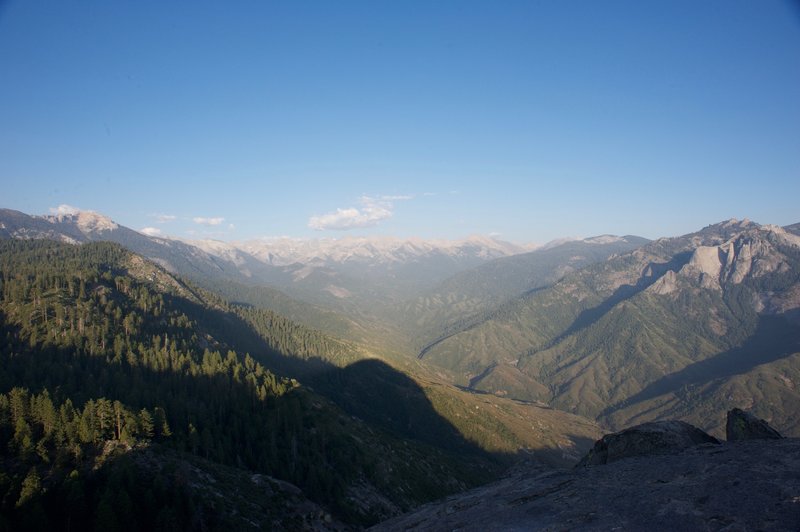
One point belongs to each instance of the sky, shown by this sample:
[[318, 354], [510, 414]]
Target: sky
[[527, 120]]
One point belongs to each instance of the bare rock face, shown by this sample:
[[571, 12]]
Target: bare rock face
[[743, 485], [659, 437], [669, 480], [743, 425]]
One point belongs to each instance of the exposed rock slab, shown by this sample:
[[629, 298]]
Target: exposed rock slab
[[744, 485]]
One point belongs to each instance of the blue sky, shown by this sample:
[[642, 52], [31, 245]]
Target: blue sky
[[531, 120]]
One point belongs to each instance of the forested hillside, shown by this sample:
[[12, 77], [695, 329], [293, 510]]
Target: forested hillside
[[100, 346], [466, 298]]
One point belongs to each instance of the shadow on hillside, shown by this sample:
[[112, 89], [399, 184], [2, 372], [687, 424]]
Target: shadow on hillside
[[592, 315], [292, 436], [373, 391], [774, 338], [370, 390]]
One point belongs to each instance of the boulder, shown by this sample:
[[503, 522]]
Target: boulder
[[658, 437], [743, 425]]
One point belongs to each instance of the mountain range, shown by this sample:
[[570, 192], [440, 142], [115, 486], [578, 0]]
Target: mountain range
[[323, 269], [361, 279], [474, 351], [554, 324], [680, 327]]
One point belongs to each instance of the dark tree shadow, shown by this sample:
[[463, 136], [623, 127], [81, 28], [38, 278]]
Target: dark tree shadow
[[382, 396]]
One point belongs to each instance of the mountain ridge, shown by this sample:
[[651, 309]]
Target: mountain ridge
[[363, 285], [609, 329], [458, 301], [285, 251]]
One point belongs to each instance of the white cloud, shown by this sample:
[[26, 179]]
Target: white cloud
[[164, 218], [150, 231], [208, 221], [344, 219], [64, 209], [372, 211]]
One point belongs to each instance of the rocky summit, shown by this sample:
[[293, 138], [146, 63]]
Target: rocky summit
[[751, 484], [658, 437]]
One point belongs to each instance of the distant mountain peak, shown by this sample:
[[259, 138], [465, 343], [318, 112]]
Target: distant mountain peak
[[730, 225], [86, 221], [743, 223], [750, 251]]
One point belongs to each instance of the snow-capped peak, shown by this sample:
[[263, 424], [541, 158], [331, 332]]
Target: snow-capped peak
[[283, 250]]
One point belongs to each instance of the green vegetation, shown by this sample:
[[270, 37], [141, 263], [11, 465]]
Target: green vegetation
[[264, 297], [123, 352], [472, 296]]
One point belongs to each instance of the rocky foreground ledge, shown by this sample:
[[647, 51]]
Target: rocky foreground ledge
[[657, 476]]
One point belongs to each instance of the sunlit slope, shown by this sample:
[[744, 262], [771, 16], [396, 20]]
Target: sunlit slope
[[467, 297], [676, 313]]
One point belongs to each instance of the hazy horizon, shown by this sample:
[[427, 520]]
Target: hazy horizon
[[69, 210]]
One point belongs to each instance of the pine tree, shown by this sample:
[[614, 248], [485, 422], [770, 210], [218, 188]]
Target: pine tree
[[146, 424], [31, 487]]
